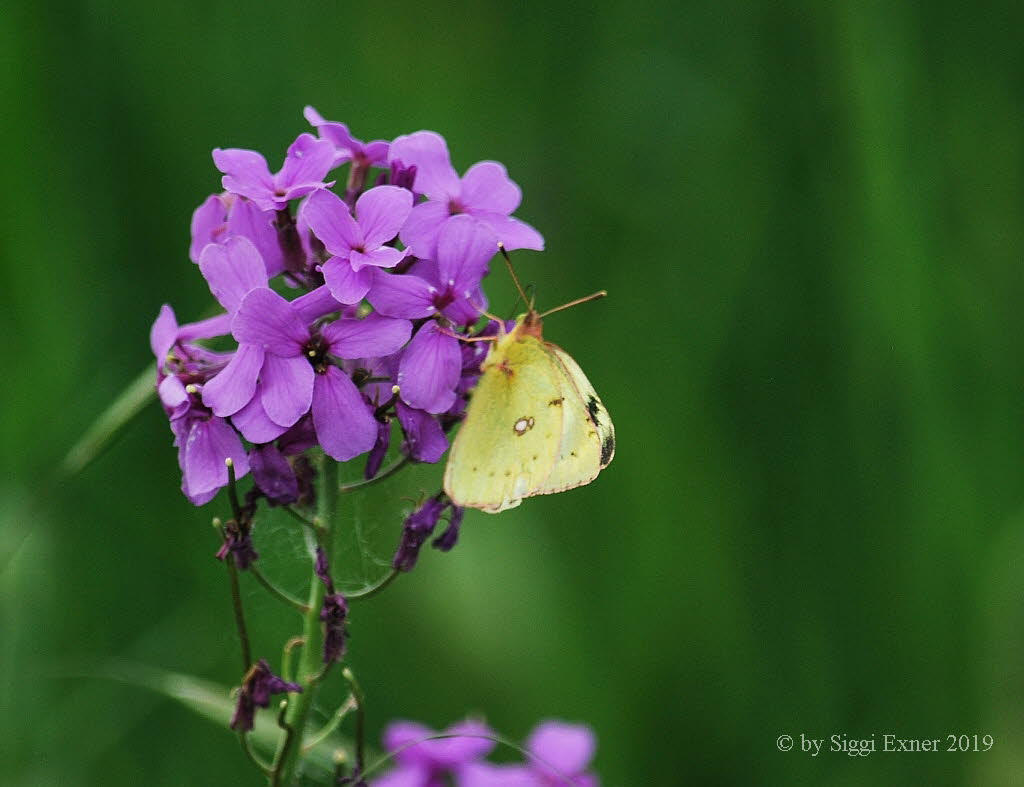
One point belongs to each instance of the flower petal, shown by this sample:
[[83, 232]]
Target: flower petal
[[286, 388], [344, 424], [218, 325], [425, 440], [209, 443], [372, 336], [487, 186], [171, 392], [248, 220], [234, 385], [208, 222], [337, 133], [246, 173], [428, 152], [232, 269], [376, 152], [309, 159], [254, 423], [567, 748], [384, 257], [163, 334], [273, 474], [422, 227], [315, 304], [464, 247], [402, 295], [267, 319], [328, 217], [381, 212], [438, 753], [513, 233], [345, 284], [430, 369]]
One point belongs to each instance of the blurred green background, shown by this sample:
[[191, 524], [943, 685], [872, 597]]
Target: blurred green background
[[808, 216]]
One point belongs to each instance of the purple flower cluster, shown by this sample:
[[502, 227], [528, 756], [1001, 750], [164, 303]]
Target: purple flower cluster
[[378, 284], [559, 755]]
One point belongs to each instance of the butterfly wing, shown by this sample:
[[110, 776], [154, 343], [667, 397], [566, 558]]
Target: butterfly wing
[[587, 443], [509, 441]]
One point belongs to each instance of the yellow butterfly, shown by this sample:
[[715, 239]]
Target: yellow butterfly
[[534, 424]]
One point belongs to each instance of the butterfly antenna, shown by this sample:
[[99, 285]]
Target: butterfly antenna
[[577, 302], [508, 262]]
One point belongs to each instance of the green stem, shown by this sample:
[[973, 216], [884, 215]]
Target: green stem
[[310, 672]]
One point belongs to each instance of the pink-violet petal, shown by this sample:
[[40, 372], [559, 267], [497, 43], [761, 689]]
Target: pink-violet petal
[[232, 269], [403, 295], [373, 336], [329, 219], [430, 369], [486, 185], [422, 227], [346, 284], [428, 152], [232, 388], [267, 319], [381, 212], [286, 388], [344, 424]]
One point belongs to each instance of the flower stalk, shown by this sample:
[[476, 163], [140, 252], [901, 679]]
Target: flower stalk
[[310, 671]]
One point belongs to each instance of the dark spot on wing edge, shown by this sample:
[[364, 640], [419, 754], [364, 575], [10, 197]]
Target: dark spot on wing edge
[[593, 408], [607, 449]]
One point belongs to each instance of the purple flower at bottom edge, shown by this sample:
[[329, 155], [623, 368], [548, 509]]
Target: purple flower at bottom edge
[[246, 173], [484, 192], [257, 687], [559, 756], [426, 763]]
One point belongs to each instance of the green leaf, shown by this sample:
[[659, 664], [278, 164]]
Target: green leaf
[[214, 702], [122, 410]]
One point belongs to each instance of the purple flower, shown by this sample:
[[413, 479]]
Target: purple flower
[[273, 474], [347, 147], [357, 245], [559, 756], [245, 172], [450, 536], [298, 371], [333, 612], [425, 440], [223, 216], [416, 529], [420, 525], [432, 364], [484, 192], [257, 687], [380, 448], [233, 269], [203, 440], [428, 763]]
